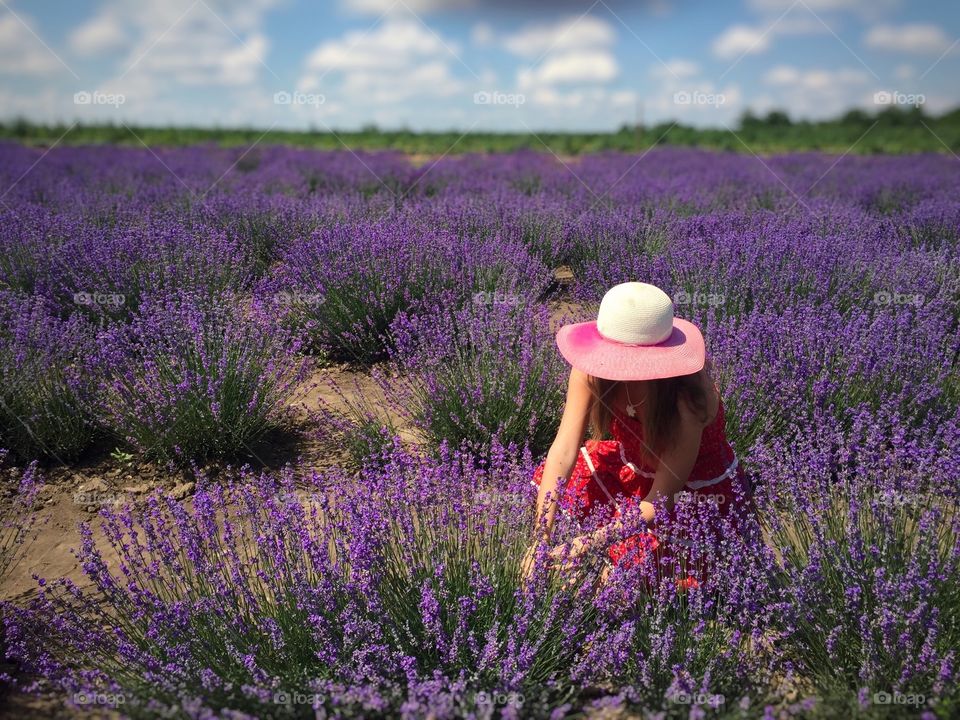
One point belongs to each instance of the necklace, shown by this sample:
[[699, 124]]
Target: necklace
[[631, 407]]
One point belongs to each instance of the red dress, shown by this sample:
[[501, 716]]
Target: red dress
[[614, 472]]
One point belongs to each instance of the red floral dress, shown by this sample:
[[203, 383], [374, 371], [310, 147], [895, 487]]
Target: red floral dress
[[614, 471]]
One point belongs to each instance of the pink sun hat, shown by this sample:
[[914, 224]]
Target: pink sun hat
[[635, 337]]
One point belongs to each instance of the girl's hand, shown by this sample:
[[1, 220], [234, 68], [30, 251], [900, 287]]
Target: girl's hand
[[564, 557], [527, 563]]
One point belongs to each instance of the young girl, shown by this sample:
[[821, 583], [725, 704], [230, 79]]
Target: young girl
[[642, 376]]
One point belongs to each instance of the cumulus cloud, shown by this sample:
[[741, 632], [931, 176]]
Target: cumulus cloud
[[572, 33], [576, 66], [909, 38], [814, 79], [747, 39], [210, 43], [676, 68], [569, 51], [174, 62], [379, 7], [21, 53], [482, 34], [506, 7], [817, 93], [398, 60], [101, 33], [904, 72], [394, 43], [863, 7], [738, 40]]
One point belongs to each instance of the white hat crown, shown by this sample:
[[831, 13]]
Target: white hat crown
[[635, 313]]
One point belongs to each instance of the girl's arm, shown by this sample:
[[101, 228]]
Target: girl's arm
[[563, 452], [676, 463]]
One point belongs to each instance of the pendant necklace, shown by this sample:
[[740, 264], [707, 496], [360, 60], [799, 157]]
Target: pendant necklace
[[631, 408]]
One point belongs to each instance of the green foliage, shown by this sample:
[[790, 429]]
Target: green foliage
[[895, 129]]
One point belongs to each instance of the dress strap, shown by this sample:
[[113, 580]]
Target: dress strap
[[728, 473], [596, 477], [632, 466]]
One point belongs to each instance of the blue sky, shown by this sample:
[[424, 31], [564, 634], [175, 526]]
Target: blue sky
[[468, 64]]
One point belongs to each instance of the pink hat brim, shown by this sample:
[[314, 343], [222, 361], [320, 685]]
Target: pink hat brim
[[683, 353]]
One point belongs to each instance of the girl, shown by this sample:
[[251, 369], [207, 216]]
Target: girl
[[641, 375]]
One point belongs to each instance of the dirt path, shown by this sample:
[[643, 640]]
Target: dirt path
[[71, 496]]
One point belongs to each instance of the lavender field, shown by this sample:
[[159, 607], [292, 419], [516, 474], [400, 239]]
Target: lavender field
[[305, 393]]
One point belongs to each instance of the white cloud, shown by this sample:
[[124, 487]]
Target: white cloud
[[585, 101], [775, 6], [572, 33], [904, 72], [744, 39], [23, 54], [393, 43], [782, 75], [423, 80], [103, 32], [577, 66], [737, 40], [830, 11], [676, 68], [399, 60], [573, 53], [379, 7], [482, 34], [786, 75], [815, 93], [213, 43], [909, 38]]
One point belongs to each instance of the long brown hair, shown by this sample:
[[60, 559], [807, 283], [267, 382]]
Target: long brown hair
[[660, 416]]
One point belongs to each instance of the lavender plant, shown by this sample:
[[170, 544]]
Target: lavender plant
[[346, 284], [488, 370], [867, 528], [15, 533], [190, 378], [46, 395], [21, 516], [400, 597], [830, 296]]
